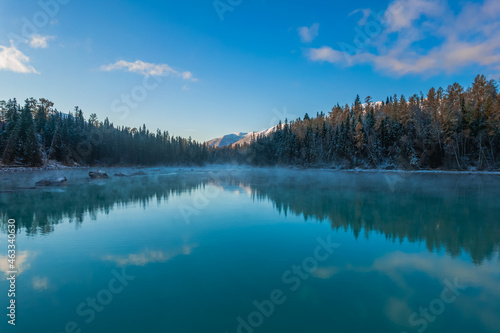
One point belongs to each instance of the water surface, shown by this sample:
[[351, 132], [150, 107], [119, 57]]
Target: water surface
[[242, 250]]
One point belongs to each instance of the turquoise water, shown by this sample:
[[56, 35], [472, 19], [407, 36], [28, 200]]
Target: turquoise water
[[241, 250]]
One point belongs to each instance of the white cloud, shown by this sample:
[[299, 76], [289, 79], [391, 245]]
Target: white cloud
[[402, 14], [325, 53], [188, 76], [11, 59], [308, 34], [147, 69], [39, 41], [393, 42]]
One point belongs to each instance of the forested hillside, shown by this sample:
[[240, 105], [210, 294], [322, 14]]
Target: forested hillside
[[35, 133], [452, 128]]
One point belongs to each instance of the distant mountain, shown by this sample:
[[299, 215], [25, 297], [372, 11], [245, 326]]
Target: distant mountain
[[226, 140], [254, 135], [239, 138]]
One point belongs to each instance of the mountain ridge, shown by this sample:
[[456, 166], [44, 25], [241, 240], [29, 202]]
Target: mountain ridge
[[239, 138]]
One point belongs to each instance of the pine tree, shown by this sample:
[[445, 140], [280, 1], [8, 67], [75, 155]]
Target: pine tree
[[29, 147], [3, 110], [11, 132], [359, 135]]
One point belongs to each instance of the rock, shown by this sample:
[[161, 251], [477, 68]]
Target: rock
[[98, 174], [52, 182]]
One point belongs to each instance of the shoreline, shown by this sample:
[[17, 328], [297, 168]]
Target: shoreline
[[59, 167]]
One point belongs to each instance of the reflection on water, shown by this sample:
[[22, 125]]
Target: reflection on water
[[39, 209], [454, 212], [201, 247]]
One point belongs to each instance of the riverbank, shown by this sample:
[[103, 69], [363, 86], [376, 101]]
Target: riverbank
[[210, 167]]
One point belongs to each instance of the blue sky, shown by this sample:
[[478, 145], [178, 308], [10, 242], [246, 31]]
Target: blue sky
[[204, 69]]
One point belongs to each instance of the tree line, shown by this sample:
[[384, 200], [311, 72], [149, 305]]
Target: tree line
[[452, 128], [36, 133]]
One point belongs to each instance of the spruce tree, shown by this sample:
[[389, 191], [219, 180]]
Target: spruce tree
[[29, 147]]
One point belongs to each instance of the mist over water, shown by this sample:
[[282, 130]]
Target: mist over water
[[204, 244]]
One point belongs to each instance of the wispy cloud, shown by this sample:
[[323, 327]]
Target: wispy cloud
[[148, 257], [325, 53], [308, 34], [140, 259], [402, 14], [39, 41], [366, 14], [11, 59], [148, 69], [422, 37]]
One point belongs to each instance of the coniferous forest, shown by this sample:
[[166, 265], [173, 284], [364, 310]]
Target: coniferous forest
[[36, 132], [454, 128]]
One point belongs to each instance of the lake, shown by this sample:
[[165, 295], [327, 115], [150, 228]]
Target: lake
[[253, 250]]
